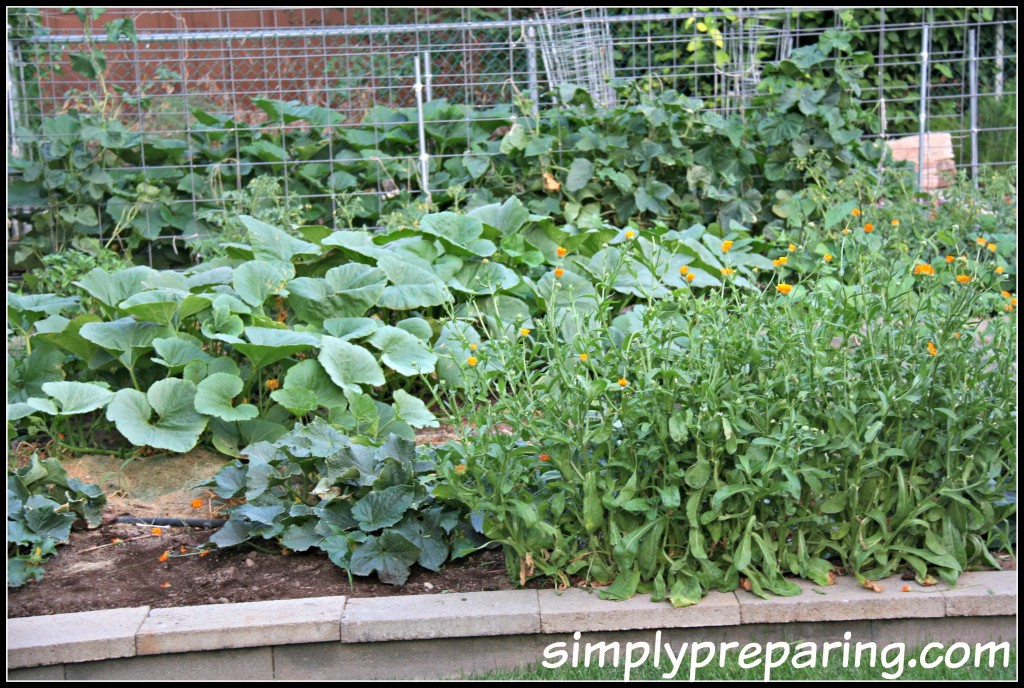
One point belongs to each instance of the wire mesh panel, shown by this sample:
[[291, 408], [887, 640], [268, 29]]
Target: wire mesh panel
[[314, 115]]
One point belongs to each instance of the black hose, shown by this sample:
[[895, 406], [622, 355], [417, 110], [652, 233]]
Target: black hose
[[174, 522]]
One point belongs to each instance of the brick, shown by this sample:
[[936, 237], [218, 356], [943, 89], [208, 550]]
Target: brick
[[579, 610], [455, 615], [67, 638], [983, 593], [248, 624]]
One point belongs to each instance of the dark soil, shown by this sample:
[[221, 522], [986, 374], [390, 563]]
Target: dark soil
[[93, 573]]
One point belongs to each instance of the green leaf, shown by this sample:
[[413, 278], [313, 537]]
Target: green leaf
[[215, 395], [77, 397], [389, 554], [834, 504], [428, 533], [413, 411], [310, 376], [383, 508], [622, 588], [298, 401], [580, 173], [460, 234], [112, 289], [272, 244], [42, 517], [347, 291], [178, 425], [505, 218], [403, 352], [256, 280], [837, 214], [178, 351], [267, 345], [410, 287], [347, 329], [483, 278], [127, 338], [300, 537], [349, 365]]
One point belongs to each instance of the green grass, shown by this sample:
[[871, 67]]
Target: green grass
[[732, 671]]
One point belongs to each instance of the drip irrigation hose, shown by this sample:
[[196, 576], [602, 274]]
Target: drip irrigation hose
[[174, 522]]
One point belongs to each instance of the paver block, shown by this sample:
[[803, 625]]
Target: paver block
[[66, 638], [579, 610], [845, 601], [983, 593], [248, 664], [455, 615], [407, 659], [247, 624]]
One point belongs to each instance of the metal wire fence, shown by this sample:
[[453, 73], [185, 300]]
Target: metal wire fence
[[189, 74]]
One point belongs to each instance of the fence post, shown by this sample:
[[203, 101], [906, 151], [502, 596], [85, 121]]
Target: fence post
[[999, 53], [424, 156], [428, 77], [531, 69], [923, 112], [972, 47], [12, 102]]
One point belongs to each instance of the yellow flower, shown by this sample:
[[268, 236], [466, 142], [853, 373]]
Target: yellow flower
[[924, 269], [726, 246], [273, 384], [791, 248], [460, 469], [561, 251], [559, 272], [690, 277], [856, 212], [963, 279], [950, 259], [472, 347], [471, 361], [524, 331], [584, 357], [784, 288], [981, 241], [683, 270], [780, 261], [726, 271], [630, 234], [999, 270], [895, 223], [931, 349], [868, 228], [991, 247], [827, 258], [623, 382]]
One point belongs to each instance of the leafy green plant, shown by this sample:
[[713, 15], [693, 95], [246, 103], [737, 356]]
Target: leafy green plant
[[43, 503], [368, 506], [860, 417]]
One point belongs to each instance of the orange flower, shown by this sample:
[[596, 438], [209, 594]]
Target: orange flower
[[931, 349], [197, 504], [165, 584], [999, 270], [846, 230], [683, 270], [791, 248], [780, 261], [950, 259], [182, 549], [868, 228], [524, 331], [623, 382], [895, 223], [981, 241], [957, 335], [559, 272], [924, 269], [963, 279], [726, 246], [906, 588], [726, 271], [545, 457], [856, 212], [1007, 307], [827, 258], [460, 469], [156, 531], [204, 553], [471, 361], [630, 234], [784, 288], [1006, 294], [116, 541], [561, 251], [584, 357], [273, 384], [690, 277], [166, 555], [991, 247], [550, 183]]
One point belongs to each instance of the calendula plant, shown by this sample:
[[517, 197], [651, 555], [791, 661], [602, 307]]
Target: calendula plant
[[860, 417]]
